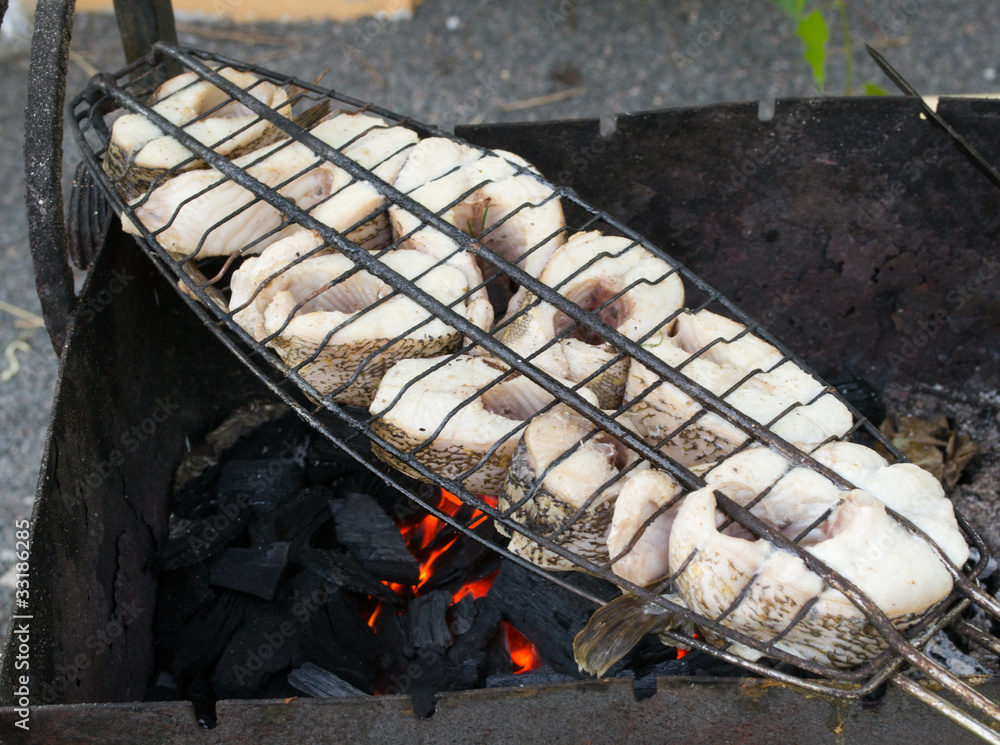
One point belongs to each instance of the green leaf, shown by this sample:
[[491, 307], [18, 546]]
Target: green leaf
[[814, 34], [792, 7], [874, 90]]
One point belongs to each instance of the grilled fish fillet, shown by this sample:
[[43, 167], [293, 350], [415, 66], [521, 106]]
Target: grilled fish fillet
[[441, 415], [562, 484], [625, 285], [850, 531], [202, 213], [898, 571], [347, 326], [492, 197], [729, 358], [139, 151]]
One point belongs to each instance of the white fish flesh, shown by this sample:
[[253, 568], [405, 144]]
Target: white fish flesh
[[624, 284], [347, 327], [139, 151], [513, 214], [731, 355], [638, 541], [849, 531], [562, 484], [443, 416], [202, 213], [898, 571]]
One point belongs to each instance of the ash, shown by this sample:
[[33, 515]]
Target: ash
[[974, 411]]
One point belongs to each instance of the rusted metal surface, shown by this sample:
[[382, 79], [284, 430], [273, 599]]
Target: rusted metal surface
[[689, 711], [140, 375]]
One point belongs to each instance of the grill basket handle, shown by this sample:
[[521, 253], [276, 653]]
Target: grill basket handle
[[141, 23]]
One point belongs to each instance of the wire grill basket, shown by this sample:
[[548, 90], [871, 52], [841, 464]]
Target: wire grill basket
[[587, 312]]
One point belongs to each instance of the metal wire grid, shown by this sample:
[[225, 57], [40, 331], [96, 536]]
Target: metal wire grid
[[128, 88]]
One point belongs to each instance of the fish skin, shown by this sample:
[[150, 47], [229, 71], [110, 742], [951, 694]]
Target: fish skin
[[139, 151], [339, 341], [776, 386], [185, 207], [588, 475], [469, 428], [590, 269]]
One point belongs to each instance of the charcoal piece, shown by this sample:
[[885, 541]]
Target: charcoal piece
[[319, 683], [256, 570], [392, 637], [164, 687], [196, 540], [295, 519], [548, 615], [342, 572], [326, 461], [400, 507], [498, 661], [372, 539], [261, 483], [203, 698], [481, 632], [422, 671], [197, 496], [285, 437], [542, 676], [426, 624], [337, 637], [180, 594], [427, 674], [198, 647], [860, 394], [267, 640], [645, 686], [462, 615]]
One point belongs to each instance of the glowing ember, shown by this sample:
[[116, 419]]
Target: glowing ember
[[425, 541], [523, 653], [477, 589]]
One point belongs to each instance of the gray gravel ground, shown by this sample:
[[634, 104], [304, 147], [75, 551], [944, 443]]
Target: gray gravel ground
[[480, 61]]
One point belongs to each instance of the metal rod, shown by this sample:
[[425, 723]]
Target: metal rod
[[142, 23], [960, 142], [43, 161], [946, 708]]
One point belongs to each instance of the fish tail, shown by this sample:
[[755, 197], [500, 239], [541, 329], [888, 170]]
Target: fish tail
[[313, 115], [614, 629]]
